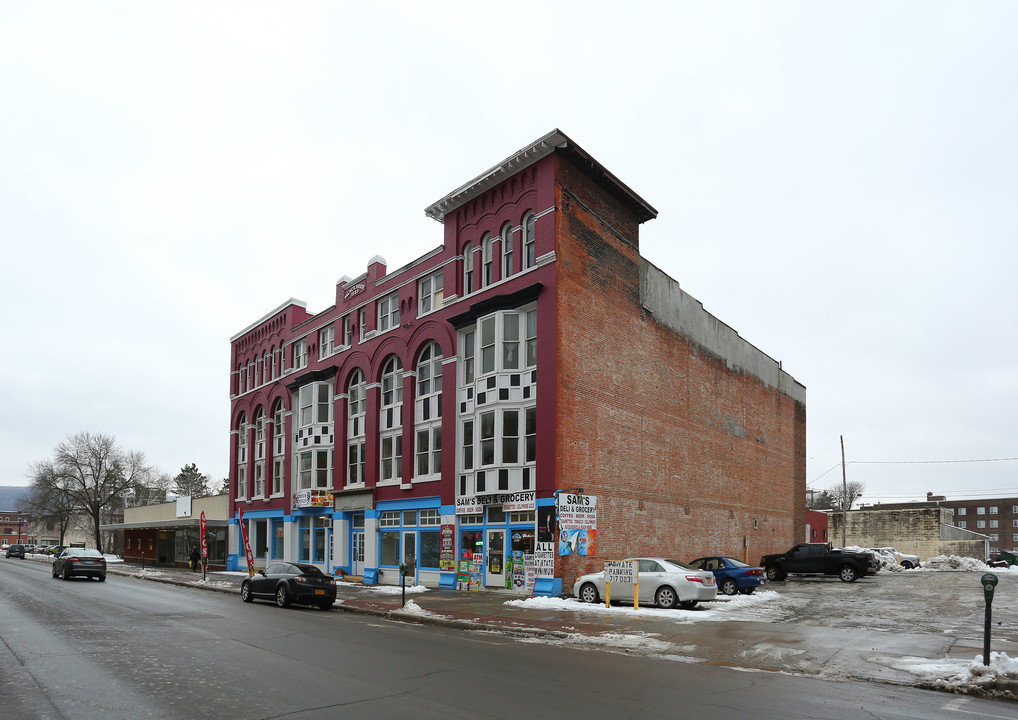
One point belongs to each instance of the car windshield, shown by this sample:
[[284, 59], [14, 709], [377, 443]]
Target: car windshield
[[736, 563], [680, 565]]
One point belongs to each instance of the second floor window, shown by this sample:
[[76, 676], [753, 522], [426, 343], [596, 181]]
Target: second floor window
[[529, 242], [507, 250], [429, 290], [315, 404]]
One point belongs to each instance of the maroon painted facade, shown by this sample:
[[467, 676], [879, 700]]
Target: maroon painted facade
[[542, 327]]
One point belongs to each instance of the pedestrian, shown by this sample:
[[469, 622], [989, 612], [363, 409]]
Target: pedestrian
[[195, 556]]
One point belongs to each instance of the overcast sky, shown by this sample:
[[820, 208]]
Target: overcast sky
[[835, 181]]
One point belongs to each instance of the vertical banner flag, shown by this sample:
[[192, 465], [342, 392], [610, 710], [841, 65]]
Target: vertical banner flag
[[204, 542], [247, 545]]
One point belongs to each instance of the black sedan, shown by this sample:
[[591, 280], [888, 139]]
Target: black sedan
[[291, 583], [86, 562]]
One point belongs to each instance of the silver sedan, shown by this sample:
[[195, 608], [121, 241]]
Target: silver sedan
[[664, 582]]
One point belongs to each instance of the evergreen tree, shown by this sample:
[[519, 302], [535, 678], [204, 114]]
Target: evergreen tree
[[191, 482]]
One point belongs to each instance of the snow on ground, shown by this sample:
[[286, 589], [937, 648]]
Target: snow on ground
[[392, 589], [762, 606], [413, 608], [957, 675], [960, 564]]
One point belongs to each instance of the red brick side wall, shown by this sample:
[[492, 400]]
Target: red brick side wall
[[687, 457]]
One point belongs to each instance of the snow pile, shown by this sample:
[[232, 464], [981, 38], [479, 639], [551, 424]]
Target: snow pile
[[393, 589], [617, 642], [412, 608], [147, 573], [954, 562], [963, 676], [760, 605]]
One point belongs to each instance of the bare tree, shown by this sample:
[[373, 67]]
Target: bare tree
[[843, 497], [46, 499], [96, 474], [152, 493]]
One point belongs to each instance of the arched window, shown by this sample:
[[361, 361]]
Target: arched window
[[259, 470], [529, 251], [468, 269], [391, 421], [488, 275], [242, 457], [278, 447], [355, 434], [241, 380], [507, 250], [428, 413]]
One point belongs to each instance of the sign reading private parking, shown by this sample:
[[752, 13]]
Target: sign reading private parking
[[620, 571]]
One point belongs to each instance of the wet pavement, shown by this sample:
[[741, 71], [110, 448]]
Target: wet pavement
[[809, 626]]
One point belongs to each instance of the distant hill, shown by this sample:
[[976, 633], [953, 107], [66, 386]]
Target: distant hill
[[10, 496]]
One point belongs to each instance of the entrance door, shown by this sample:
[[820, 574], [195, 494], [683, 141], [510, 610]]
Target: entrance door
[[494, 559], [410, 555], [357, 554]]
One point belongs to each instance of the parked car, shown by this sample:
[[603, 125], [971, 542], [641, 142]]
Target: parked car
[[731, 575], [87, 562], [818, 559], [291, 583], [889, 554], [17, 550], [664, 582]]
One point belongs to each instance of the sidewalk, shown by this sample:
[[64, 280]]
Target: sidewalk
[[806, 646]]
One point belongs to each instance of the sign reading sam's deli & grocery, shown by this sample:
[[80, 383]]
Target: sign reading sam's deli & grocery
[[510, 502]]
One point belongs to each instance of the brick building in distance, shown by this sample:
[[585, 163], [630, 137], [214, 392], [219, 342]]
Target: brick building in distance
[[530, 387]]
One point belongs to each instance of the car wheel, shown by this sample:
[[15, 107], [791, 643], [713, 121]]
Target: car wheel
[[665, 597], [101, 578], [67, 574], [325, 604], [848, 573], [774, 574], [747, 591], [54, 572], [907, 565], [688, 604], [282, 599], [729, 586], [245, 592], [589, 594]]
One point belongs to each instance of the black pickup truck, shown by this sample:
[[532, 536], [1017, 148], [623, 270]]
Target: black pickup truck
[[818, 559]]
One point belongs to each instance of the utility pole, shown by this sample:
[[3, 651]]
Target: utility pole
[[844, 497]]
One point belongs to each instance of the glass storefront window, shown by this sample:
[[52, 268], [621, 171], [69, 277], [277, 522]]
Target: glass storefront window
[[304, 531], [388, 553], [431, 547], [277, 539]]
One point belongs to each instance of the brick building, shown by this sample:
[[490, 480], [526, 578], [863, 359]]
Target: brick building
[[533, 380], [13, 527]]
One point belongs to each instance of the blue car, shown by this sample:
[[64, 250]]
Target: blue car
[[732, 576]]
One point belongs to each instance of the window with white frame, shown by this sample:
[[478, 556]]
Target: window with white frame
[[468, 357], [430, 517], [300, 354], [355, 430], [362, 323], [391, 421], [250, 375], [259, 468], [960, 511], [488, 260], [428, 413], [242, 457], [468, 269], [241, 380], [980, 511], [347, 332], [529, 242], [1014, 523], [314, 404], [314, 470], [388, 312], [962, 524], [993, 509], [278, 449], [1014, 537], [429, 292], [507, 250], [326, 341], [993, 537], [980, 524], [993, 523]]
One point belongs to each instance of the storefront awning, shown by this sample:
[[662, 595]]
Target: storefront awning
[[181, 523]]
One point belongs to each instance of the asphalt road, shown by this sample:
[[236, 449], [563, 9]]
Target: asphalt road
[[127, 648]]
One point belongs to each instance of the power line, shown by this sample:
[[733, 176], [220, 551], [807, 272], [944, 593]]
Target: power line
[[925, 462]]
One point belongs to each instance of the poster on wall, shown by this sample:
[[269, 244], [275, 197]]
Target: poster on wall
[[529, 572], [476, 571], [447, 553], [546, 523], [577, 524], [463, 575]]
